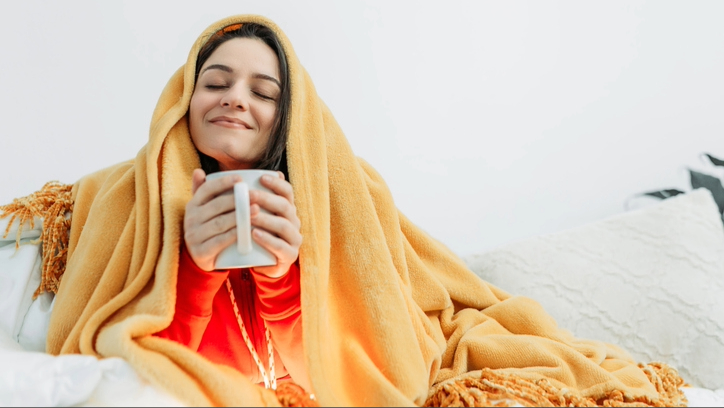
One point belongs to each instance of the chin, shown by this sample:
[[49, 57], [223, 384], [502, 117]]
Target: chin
[[230, 162]]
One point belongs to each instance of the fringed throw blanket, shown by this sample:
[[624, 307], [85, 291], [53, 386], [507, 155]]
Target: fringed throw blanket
[[390, 315], [53, 204]]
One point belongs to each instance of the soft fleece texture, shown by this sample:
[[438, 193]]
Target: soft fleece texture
[[387, 310]]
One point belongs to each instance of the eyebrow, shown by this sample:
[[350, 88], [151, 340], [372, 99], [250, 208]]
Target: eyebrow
[[228, 69]]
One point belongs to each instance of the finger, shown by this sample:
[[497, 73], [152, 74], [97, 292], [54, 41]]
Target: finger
[[196, 215], [278, 186], [198, 234], [214, 188], [204, 254], [213, 246], [218, 206], [254, 209], [281, 175], [218, 225], [197, 179], [278, 226], [277, 246], [275, 204]]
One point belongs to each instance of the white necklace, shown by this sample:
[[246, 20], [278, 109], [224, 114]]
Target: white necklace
[[270, 381]]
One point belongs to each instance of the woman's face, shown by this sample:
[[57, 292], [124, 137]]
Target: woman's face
[[234, 103]]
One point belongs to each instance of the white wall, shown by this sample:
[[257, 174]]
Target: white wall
[[491, 121]]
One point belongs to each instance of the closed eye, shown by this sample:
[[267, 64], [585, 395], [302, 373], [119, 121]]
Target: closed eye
[[216, 86], [261, 95]]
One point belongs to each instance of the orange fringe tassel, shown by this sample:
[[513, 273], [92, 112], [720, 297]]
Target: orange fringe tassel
[[293, 395], [54, 204], [493, 389]]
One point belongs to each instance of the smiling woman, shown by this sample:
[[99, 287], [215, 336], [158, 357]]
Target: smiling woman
[[235, 123], [233, 108], [241, 69], [366, 310]]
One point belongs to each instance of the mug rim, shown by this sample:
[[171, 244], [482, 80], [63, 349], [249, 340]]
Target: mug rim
[[225, 172]]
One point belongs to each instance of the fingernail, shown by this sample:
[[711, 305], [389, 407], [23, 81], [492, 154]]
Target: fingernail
[[257, 233], [266, 178]]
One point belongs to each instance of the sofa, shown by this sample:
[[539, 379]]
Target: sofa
[[648, 280]]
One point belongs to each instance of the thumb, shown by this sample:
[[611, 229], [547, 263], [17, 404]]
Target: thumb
[[197, 179]]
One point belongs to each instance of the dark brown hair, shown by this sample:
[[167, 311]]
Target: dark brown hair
[[275, 156]]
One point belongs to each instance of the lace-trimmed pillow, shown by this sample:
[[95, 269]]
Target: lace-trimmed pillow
[[650, 281]]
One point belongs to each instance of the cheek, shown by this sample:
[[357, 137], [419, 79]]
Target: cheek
[[267, 116], [198, 107]]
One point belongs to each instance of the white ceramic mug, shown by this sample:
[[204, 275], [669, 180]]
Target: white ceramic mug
[[245, 253]]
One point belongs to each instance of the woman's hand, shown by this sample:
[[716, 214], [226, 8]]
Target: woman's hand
[[210, 221], [279, 231]]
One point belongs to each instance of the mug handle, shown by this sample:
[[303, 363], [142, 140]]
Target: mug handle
[[243, 218]]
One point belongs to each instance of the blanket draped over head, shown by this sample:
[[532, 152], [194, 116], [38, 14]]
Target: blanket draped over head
[[390, 315]]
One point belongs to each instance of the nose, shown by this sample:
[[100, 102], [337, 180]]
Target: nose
[[235, 98]]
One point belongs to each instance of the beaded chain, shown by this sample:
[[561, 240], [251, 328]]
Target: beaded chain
[[270, 381]]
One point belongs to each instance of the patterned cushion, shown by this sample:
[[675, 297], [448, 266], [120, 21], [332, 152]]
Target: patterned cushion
[[650, 281]]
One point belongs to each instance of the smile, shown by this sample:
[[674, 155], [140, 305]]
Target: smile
[[229, 124]]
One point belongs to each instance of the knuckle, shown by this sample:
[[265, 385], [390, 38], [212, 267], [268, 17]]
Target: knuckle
[[190, 210], [296, 242], [265, 199], [230, 219], [190, 219], [289, 230], [218, 223], [277, 245], [287, 207], [258, 219], [191, 236], [255, 197]]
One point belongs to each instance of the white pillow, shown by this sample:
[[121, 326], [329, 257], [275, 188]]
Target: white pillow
[[650, 281], [25, 320], [19, 274]]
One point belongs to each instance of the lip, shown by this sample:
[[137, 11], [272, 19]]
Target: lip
[[227, 121]]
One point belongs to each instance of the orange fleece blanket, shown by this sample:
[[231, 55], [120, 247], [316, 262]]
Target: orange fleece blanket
[[390, 315]]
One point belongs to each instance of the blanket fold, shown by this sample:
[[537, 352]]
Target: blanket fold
[[391, 316]]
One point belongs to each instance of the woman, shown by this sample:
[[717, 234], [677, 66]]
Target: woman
[[237, 120], [390, 316]]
